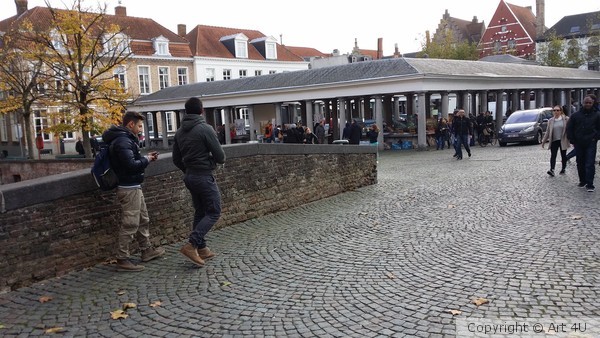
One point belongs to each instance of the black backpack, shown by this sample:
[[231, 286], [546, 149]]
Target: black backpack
[[103, 174]]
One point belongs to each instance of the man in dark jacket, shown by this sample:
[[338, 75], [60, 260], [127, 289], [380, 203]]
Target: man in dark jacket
[[355, 133], [583, 131], [129, 166], [320, 131], [461, 126], [196, 152]]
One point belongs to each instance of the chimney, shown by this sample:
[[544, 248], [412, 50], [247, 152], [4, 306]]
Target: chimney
[[21, 6], [396, 51], [379, 48], [181, 30], [121, 11], [475, 20], [540, 20]]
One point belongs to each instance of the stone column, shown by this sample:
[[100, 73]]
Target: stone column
[[483, 104], [396, 108], [252, 123], [548, 98], [445, 104], [465, 103], [427, 105], [309, 114], [539, 98], [526, 99], [422, 121], [227, 122], [342, 113], [499, 108], [154, 124], [165, 140], [278, 113], [410, 103], [516, 100], [146, 134], [379, 120]]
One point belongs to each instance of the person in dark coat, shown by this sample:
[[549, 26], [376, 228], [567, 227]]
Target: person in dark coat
[[320, 131], [79, 147], [129, 166], [461, 126], [583, 131], [346, 131], [355, 133]]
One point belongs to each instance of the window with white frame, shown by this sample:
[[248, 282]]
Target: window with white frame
[[41, 124], [161, 46], [17, 128], [243, 73], [593, 48], [116, 44], [210, 74], [243, 113], [163, 77], [119, 74], [61, 76], [512, 44], [226, 74], [257, 72], [57, 41], [182, 76], [150, 120], [241, 48], [3, 128], [144, 79], [69, 135], [271, 50], [170, 121], [272, 71]]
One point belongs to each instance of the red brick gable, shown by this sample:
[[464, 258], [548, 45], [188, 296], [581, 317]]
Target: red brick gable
[[510, 24], [140, 30], [205, 41]]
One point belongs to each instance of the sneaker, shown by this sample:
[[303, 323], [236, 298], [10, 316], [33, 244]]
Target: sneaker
[[581, 185], [562, 172], [152, 253], [590, 188], [190, 252], [550, 172], [127, 265]]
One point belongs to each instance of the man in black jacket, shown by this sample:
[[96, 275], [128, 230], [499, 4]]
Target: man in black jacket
[[461, 126], [129, 165], [196, 151], [583, 131]]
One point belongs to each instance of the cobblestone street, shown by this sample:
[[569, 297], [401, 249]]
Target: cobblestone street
[[392, 259]]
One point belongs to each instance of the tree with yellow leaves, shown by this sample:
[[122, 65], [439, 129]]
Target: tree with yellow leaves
[[80, 48]]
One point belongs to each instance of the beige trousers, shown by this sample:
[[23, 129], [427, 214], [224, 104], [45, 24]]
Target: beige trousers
[[134, 221]]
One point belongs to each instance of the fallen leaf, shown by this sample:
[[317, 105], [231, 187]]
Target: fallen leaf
[[129, 306], [45, 299], [576, 217], [455, 312], [480, 301], [155, 304], [390, 275], [121, 292], [109, 261], [55, 330], [118, 314], [225, 283], [451, 206], [1, 326]]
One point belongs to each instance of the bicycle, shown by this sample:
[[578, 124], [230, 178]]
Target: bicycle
[[488, 136]]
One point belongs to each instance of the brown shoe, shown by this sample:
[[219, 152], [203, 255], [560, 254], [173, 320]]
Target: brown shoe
[[189, 251], [205, 253], [151, 253], [127, 265]]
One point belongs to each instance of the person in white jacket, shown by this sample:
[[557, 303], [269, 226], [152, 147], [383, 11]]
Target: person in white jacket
[[556, 134]]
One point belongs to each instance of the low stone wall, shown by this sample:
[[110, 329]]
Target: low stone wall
[[12, 171], [56, 224]]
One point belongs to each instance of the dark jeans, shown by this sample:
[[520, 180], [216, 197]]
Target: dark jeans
[[207, 203], [464, 140], [554, 147], [571, 154], [586, 158]]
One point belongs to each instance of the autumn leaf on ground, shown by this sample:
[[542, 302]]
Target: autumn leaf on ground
[[225, 283], [155, 304], [480, 301], [118, 314], [576, 217], [55, 330], [451, 206], [455, 312], [121, 292], [1, 326], [390, 275], [109, 262], [129, 306], [45, 299]]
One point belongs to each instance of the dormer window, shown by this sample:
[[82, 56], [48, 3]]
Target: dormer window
[[116, 44], [267, 46], [237, 44], [57, 41], [161, 46]]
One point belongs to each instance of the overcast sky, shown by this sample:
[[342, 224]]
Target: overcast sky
[[322, 24]]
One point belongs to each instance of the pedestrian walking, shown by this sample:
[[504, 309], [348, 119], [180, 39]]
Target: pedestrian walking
[[583, 131], [556, 134], [462, 130], [196, 152]]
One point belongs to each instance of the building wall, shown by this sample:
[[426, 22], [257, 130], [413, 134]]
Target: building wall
[[54, 225], [201, 64], [21, 170]]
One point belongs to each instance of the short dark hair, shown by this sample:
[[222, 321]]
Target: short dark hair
[[132, 116], [194, 106]]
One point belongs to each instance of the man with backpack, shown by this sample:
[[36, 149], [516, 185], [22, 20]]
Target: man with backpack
[[129, 165]]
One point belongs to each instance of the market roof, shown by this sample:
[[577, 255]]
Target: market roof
[[378, 77]]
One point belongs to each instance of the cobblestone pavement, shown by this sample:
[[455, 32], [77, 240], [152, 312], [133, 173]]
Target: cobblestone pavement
[[386, 260]]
